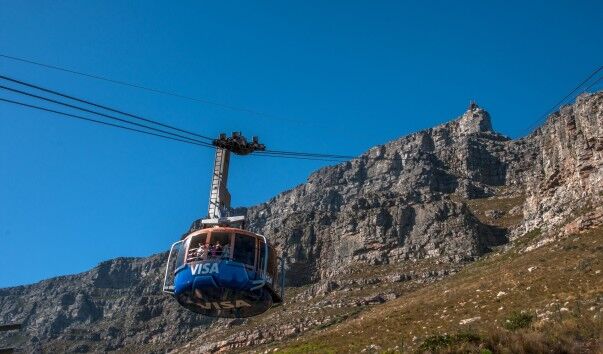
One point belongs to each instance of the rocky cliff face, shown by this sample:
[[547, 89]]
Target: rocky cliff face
[[404, 202], [566, 159], [117, 304], [394, 203]]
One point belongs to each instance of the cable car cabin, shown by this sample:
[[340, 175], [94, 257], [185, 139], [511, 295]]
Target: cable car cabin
[[223, 272]]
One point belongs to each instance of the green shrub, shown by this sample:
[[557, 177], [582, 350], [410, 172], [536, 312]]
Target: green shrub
[[437, 342], [518, 320], [308, 348]]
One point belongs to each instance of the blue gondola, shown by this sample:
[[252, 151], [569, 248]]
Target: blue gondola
[[219, 269], [224, 272]]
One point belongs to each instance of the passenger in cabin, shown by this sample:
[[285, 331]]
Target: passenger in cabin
[[212, 251], [217, 250], [201, 252], [226, 251]]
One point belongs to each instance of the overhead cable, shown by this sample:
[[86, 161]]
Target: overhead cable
[[98, 121], [553, 108], [37, 87], [141, 87], [101, 114]]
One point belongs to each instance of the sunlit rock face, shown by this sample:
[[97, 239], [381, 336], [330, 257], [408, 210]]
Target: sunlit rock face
[[393, 203], [403, 201], [566, 175]]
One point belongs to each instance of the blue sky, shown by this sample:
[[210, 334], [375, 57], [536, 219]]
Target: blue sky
[[331, 76]]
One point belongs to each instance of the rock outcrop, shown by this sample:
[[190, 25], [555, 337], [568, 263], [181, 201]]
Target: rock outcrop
[[394, 203], [117, 304], [566, 158]]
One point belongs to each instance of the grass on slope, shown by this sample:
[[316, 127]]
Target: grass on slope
[[507, 217], [548, 299], [307, 311]]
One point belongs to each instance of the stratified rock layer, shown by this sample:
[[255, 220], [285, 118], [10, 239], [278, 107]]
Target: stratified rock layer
[[566, 156], [117, 304]]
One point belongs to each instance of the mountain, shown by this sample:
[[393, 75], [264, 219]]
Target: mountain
[[419, 214]]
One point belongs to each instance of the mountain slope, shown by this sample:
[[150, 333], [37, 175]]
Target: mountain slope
[[548, 299], [117, 304], [364, 232]]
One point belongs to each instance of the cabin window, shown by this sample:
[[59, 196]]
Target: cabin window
[[179, 249], [175, 261], [219, 245], [244, 250], [262, 253], [197, 250]]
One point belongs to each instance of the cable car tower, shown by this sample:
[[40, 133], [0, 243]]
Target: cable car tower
[[219, 197], [218, 268]]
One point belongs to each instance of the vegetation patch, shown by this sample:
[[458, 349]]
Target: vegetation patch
[[528, 237], [518, 320], [340, 318], [438, 342], [503, 206], [308, 348]]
